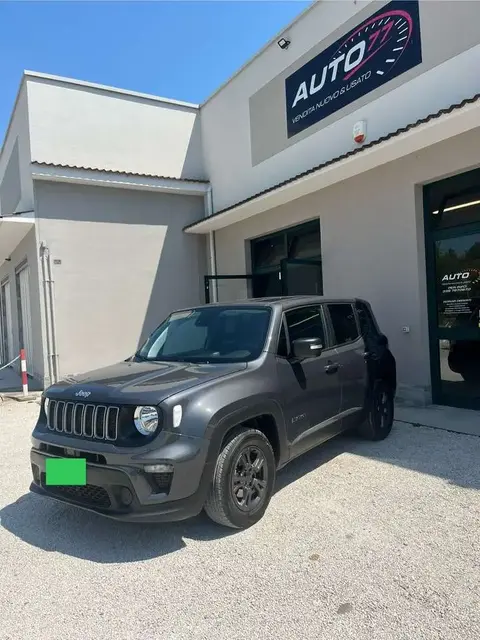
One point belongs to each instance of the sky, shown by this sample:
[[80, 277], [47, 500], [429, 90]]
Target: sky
[[178, 49]]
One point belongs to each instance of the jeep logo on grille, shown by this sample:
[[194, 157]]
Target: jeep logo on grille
[[83, 394]]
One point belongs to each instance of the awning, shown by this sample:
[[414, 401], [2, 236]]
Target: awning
[[13, 230], [437, 127]]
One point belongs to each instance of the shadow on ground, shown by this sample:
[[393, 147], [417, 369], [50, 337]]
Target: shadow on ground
[[53, 526]]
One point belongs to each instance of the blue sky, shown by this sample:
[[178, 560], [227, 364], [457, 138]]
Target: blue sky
[[177, 49]]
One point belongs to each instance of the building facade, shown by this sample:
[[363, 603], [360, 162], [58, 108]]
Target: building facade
[[341, 160]]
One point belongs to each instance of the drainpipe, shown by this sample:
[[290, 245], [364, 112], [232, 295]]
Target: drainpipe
[[51, 329], [211, 246]]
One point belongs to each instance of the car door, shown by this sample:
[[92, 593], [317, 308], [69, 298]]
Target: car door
[[351, 356], [310, 388]]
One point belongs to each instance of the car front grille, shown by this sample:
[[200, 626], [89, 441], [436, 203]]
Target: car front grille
[[89, 494], [97, 422]]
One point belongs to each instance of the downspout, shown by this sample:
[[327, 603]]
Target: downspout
[[43, 249], [50, 312], [211, 246]]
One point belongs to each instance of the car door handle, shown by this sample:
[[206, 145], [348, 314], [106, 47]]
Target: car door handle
[[332, 367]]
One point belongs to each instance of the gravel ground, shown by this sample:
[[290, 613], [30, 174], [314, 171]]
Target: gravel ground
[[361, 541]]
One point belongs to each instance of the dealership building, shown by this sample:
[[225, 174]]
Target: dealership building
[[342, 160]]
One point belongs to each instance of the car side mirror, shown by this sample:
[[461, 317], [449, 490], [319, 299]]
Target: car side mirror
[[307, 348]]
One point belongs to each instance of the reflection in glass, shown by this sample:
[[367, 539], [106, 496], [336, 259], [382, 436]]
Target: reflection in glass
[[460, 369], [458, 281]]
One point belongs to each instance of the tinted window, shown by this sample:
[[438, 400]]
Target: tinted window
[[305, 323], [210, 334], [343, 323]]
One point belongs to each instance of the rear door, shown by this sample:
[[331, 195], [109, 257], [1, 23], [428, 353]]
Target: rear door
[[350, 347], [310, 389]]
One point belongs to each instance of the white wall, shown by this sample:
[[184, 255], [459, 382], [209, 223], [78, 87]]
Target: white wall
[[88, 127], [226, 116], [17, 132]]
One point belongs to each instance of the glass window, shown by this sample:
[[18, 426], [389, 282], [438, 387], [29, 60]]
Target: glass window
[[343, 323], [458, 281], [305, 323], [304, 241], [209, 335], [268, 252]]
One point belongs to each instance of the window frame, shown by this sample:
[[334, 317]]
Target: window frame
[[333, 344], [284, 324]]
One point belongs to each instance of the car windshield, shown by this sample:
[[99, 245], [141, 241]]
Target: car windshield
[[209, 335]]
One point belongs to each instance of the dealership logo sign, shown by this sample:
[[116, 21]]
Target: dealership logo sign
[[383, 47]]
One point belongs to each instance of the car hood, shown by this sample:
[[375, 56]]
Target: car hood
[[138, 382]]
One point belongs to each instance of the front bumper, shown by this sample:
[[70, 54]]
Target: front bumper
[[117, 484]]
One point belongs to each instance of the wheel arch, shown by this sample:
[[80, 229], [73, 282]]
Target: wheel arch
[[266, 417]]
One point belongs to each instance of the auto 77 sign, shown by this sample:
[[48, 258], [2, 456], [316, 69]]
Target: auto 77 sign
[[383, 47]]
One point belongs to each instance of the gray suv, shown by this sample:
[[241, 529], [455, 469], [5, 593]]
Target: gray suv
[[218, 399]]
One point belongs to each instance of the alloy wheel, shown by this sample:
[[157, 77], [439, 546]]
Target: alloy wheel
[[249, 479]]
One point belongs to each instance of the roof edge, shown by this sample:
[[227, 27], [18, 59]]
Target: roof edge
[[133, 174], [445, 112], [36, 75]]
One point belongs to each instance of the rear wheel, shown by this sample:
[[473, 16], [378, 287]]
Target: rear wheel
[[243, 480], [379, 419]]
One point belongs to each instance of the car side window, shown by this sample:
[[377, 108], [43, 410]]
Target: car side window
[[305, 322], [344, 323]]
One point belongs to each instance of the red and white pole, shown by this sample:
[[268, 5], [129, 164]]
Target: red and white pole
[[23, 368]]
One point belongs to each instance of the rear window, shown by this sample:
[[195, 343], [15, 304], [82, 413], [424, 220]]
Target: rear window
[[344, 323]]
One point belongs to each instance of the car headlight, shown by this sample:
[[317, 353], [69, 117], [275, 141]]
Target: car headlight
[[146, 420]]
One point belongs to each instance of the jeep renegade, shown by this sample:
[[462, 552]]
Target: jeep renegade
[[217, 400]]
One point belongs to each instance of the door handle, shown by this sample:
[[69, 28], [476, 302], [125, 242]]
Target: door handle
[[332, 367]]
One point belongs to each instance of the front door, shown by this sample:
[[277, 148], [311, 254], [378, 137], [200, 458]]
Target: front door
[[456, 330]]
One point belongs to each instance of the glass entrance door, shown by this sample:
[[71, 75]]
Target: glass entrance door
[[301, 277], [457, 324]]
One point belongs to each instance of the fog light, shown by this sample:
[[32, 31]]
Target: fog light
[[36, 474], [126, 496], [159, 468]]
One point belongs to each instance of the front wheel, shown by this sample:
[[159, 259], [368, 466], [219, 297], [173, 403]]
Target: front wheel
[[243, 480], [380, 410]]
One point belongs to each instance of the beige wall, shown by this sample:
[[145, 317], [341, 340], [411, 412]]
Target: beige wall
[[83, 126], [125, 264], [237, 135], [267, 106], [27, 250], [372, 246]]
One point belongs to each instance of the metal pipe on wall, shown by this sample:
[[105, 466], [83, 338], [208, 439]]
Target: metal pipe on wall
[[51, 330], [211, 246], [43, 249]]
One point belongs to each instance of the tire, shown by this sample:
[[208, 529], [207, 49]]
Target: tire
[[380, 411], [234, 481]]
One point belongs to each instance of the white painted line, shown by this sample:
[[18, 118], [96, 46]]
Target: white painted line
[[390, 60], [406, 29], [380, 73], [398, 49], [400, 39]]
